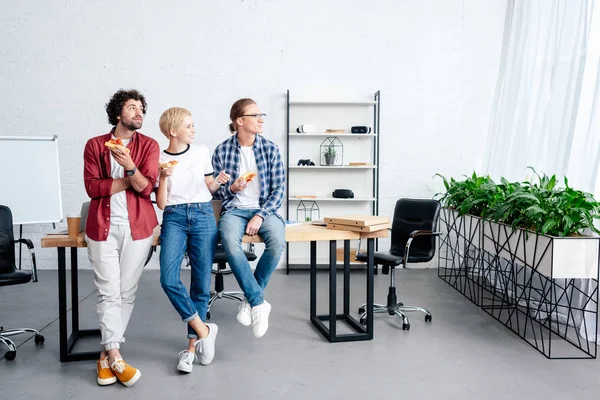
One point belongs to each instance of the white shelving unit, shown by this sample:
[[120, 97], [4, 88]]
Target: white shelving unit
[[321, 180], [333, 167], [341, 135]]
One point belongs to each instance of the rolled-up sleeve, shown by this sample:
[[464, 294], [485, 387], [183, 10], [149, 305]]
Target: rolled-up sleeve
[[277, 185], [95, 186], [149, 167]]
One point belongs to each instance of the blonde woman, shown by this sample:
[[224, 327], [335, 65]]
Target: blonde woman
[[185, 190]]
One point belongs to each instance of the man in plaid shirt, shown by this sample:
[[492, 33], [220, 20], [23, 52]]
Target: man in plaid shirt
[[250, 207]]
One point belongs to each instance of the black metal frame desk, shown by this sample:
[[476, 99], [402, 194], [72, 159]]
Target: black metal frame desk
[[297, 233]]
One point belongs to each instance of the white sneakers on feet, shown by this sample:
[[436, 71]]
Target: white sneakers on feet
[[260, 319], [186, 361], [244, 315], [205, 347]]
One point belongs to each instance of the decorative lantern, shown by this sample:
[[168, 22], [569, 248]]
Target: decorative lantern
[[332, 152], [306, 211]]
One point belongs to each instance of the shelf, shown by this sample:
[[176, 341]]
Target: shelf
[[345, 134], [334, 103], [332, 167], [326, 198]]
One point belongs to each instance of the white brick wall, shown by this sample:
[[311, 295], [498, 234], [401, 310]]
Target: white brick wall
[[435, 63]]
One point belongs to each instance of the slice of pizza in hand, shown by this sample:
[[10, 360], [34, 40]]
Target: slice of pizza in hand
[[169, 164], [248, 176], [116, 144]]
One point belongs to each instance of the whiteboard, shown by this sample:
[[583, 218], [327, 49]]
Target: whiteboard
[[30, 179]]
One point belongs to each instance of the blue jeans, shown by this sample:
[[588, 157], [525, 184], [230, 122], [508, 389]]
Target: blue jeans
[[232, 226], [190, 227]]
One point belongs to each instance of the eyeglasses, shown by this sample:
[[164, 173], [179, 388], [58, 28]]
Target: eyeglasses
[[257, 116]]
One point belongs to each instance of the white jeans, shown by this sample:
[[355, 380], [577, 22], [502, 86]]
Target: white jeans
[[118, 263]]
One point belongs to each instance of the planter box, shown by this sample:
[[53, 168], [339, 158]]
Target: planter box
[[543, 288], [551, 256], [458, 256]]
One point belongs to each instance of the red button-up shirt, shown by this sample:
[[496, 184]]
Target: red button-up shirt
[[144, 152]]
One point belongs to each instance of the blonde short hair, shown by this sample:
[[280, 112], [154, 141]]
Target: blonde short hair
[[171, 119]]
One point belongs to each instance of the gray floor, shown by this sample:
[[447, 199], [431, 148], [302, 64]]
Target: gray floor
[[462, 354]]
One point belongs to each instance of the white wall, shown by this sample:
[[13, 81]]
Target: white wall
[[435, 63]]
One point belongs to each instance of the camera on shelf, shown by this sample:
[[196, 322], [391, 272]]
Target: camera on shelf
[[306, 128], [360, 129], [306, 163]]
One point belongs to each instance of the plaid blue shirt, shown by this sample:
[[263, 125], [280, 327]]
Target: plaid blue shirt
[[270, 170]]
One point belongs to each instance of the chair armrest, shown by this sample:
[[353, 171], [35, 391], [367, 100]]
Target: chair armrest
[[413, 235], [360, 241], [27, 242], [29, 245]]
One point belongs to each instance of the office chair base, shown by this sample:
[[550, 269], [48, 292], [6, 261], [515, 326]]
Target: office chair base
[[12, 348], [398, 309], [239, 296]]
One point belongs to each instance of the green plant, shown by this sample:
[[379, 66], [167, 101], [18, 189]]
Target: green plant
[[541, 206], [329, 151]]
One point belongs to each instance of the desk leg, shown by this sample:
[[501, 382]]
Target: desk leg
[[370, 284], [313, 280], [66, 341], [346, 277], [62, 304], [74, 291], [330, 332], [332, 288]]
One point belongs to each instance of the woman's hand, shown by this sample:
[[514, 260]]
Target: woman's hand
[[222, 178], [165, 172]]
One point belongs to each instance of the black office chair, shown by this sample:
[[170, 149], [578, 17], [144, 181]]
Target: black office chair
[[10, 275], [219, 271], [221, 268], [412, 241]]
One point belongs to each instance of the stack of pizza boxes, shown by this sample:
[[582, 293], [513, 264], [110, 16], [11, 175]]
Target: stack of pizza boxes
[[358, 223]]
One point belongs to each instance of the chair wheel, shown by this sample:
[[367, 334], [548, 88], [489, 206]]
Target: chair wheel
[[10, 355], [401, 304], [361, 310], [427, 317], [405, 327], [39, 339], [363, 321], [208, 315]]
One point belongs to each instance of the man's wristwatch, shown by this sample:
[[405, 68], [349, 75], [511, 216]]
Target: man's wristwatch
[[130, 172]]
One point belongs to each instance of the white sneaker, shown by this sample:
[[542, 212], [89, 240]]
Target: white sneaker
[[186, 361], [244, 315], [205, 347], [260, 319]]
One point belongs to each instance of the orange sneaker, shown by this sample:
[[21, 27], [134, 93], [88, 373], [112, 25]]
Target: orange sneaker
[[105, 374], [125, 373]]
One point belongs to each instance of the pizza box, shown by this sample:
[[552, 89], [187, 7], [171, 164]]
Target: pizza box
[[358, 220], [354, 228]]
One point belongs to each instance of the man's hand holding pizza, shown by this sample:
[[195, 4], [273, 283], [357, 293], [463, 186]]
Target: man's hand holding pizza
[[242, 182], [120, 153]]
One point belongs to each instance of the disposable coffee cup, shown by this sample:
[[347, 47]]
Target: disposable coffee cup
[[73, 222]]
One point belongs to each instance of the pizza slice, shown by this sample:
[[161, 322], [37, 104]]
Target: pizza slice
[[248, 176], [169, 164], [116, 144]]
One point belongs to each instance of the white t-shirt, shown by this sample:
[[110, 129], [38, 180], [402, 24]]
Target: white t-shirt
[[187, 185], [119, 214], [248, 198]]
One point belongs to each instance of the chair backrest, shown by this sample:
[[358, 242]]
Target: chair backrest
[[7, 241], [217, 206], [411, 215]]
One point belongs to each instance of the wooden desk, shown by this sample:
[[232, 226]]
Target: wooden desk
[[296, 233]]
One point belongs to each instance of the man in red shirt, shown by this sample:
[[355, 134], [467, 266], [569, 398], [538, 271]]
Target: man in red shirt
[[120, 224]]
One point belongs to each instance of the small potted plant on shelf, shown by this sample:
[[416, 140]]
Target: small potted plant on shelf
[[330, 154]]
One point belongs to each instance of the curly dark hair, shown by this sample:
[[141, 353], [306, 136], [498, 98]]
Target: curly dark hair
[[114, 107]]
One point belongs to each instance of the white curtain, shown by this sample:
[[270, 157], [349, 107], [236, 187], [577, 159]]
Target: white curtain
[[546, 109], [539, 90]]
